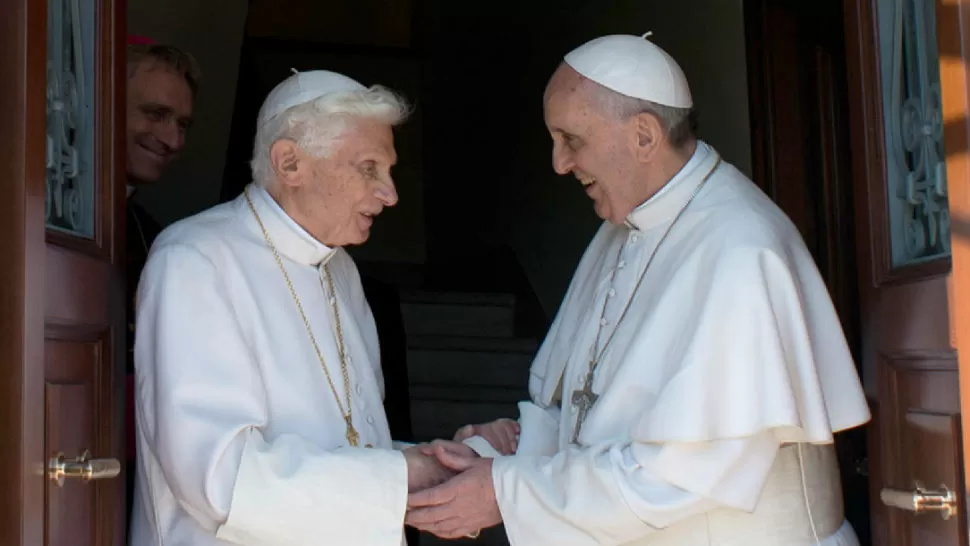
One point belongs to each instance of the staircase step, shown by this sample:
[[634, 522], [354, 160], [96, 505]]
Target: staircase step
[[485, 362], [469, 394], [441, 419], [474, 344], [458, 314], [458, 298]]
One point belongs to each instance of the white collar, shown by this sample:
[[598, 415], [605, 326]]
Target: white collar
[[666, 203], [290, 238]]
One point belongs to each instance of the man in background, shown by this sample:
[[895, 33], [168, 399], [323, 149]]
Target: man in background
[[162, 85]]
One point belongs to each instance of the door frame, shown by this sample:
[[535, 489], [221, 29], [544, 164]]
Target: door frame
[[23, 50], [953, 31]]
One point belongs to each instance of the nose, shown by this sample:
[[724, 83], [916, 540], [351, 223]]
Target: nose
[[562, 160], [387, 193], [170, 134]]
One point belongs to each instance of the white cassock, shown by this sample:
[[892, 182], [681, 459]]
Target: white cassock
[[718, 396], [240, 439]]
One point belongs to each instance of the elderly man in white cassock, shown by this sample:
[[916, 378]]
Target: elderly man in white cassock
[[258, 384], [688, 390]]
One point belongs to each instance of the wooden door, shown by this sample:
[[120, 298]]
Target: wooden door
[[909, 125], [61, 283]]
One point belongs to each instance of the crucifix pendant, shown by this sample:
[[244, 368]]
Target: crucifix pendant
[[352, 436], [583, 400]]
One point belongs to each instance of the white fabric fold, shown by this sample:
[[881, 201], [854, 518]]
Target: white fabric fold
[[730, 348]]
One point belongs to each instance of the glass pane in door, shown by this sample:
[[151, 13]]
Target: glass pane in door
[[70, 203], [916, 161]]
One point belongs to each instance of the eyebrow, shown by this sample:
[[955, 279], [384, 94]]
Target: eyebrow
[[369, 155], [167, 110], [564, 133]]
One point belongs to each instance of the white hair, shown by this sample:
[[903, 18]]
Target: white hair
[[680, 123], [317, 125]]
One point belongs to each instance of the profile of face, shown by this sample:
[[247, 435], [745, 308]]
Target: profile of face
[[159, 114], [606, 155], [337, 197]]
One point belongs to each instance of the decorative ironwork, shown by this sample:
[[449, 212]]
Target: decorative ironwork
[[70, 114], [916, 162]]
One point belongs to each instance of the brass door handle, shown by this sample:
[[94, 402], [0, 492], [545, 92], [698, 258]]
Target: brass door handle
[[83, 467], [921, 501]]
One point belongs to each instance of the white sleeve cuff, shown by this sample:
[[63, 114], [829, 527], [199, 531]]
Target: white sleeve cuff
[[540, 430], [482, 447], [285, 496]]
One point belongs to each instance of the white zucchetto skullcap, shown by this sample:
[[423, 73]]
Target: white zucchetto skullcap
[[632, 66], [303, 87]]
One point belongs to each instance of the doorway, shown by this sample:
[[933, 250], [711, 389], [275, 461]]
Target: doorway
[[859, 132], [822, 147]]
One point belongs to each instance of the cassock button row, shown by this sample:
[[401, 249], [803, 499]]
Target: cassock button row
[[603, 322], [634, 238], [621, 265], [370, 419], [611, 293], [360, 389]]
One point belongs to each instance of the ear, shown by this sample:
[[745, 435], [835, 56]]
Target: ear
[[287, 161], [650, 136]]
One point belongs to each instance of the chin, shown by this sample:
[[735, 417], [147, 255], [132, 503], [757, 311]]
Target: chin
[[360, 239], [602, 215], [144, 176]]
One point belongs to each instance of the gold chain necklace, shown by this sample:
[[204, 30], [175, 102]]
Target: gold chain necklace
[[352, 436]]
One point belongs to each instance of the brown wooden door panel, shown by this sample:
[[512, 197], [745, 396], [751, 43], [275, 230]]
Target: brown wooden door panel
[[70, 392], [921, 427], [77, 416], [908, 316], [77, 287]]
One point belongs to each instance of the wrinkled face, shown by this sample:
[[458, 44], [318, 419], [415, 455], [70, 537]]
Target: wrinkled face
[[600, 152], [340, 195], [159, 114]]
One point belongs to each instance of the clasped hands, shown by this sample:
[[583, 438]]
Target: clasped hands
[[450, 488]]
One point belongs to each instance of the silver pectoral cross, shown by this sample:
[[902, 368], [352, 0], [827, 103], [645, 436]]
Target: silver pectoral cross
[[583, 400]]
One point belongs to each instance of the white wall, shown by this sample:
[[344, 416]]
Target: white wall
[[212, 30]]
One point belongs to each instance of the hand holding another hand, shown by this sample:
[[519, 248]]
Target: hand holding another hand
[[503, 434], [463, 505], [424, 469]]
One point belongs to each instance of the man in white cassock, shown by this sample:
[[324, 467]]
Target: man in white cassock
[[688, 390], [258, 384]]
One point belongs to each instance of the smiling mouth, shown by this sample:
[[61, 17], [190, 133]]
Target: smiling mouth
[[586, 181], [152, 153]]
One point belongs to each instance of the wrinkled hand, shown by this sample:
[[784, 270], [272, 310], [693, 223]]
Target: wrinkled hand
[[424, 470], [503, 434], [459, 507], [448, 452]]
